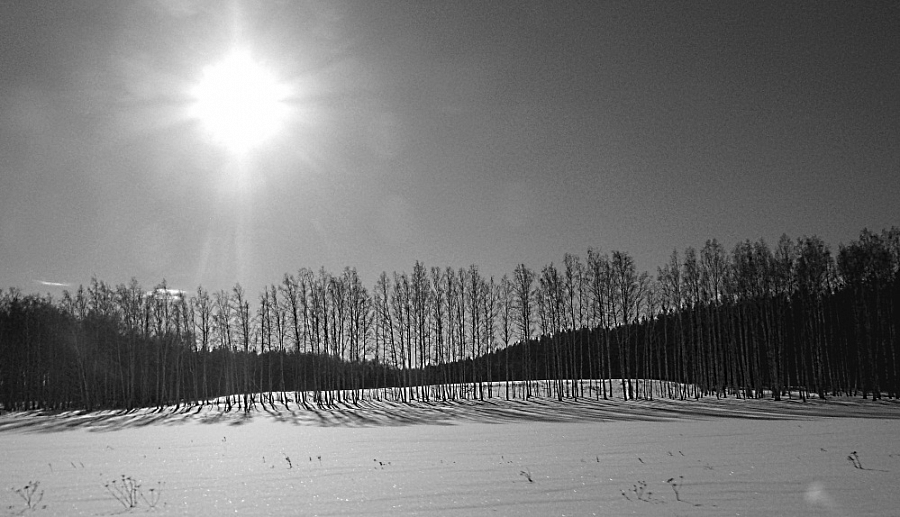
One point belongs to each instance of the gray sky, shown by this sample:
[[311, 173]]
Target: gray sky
[[452, 133]]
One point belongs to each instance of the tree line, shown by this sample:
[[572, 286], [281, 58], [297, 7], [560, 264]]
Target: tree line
[[756, 321]]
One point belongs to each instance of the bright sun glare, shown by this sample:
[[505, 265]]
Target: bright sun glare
[[239, 103]]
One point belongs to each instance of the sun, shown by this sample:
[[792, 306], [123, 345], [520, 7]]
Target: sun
[[239, 103]]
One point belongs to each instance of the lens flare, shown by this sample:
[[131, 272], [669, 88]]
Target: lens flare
[[239, 103]]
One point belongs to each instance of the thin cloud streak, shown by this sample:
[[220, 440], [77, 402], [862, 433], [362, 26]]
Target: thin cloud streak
[[53, 284]]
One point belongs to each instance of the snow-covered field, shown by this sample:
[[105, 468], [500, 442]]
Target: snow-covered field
[[541, 458]]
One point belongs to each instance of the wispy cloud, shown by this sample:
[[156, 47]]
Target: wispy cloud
[[159, 293], [53, 284]]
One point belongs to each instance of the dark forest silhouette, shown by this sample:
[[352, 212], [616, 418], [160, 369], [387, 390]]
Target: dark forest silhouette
[[756, 322]]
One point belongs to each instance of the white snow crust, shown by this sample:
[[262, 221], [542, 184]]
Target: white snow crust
[[536, 458]]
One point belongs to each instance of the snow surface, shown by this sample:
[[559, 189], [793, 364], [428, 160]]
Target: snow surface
[[539, 458]]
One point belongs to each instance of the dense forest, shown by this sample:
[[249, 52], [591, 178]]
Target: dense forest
[[795, 320]]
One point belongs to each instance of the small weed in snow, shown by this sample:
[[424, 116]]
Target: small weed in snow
[[125, 491], [153, 499], [29, 493], [854, 459], [676, 485], [129, 493], [527, 474], [639, 492]]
